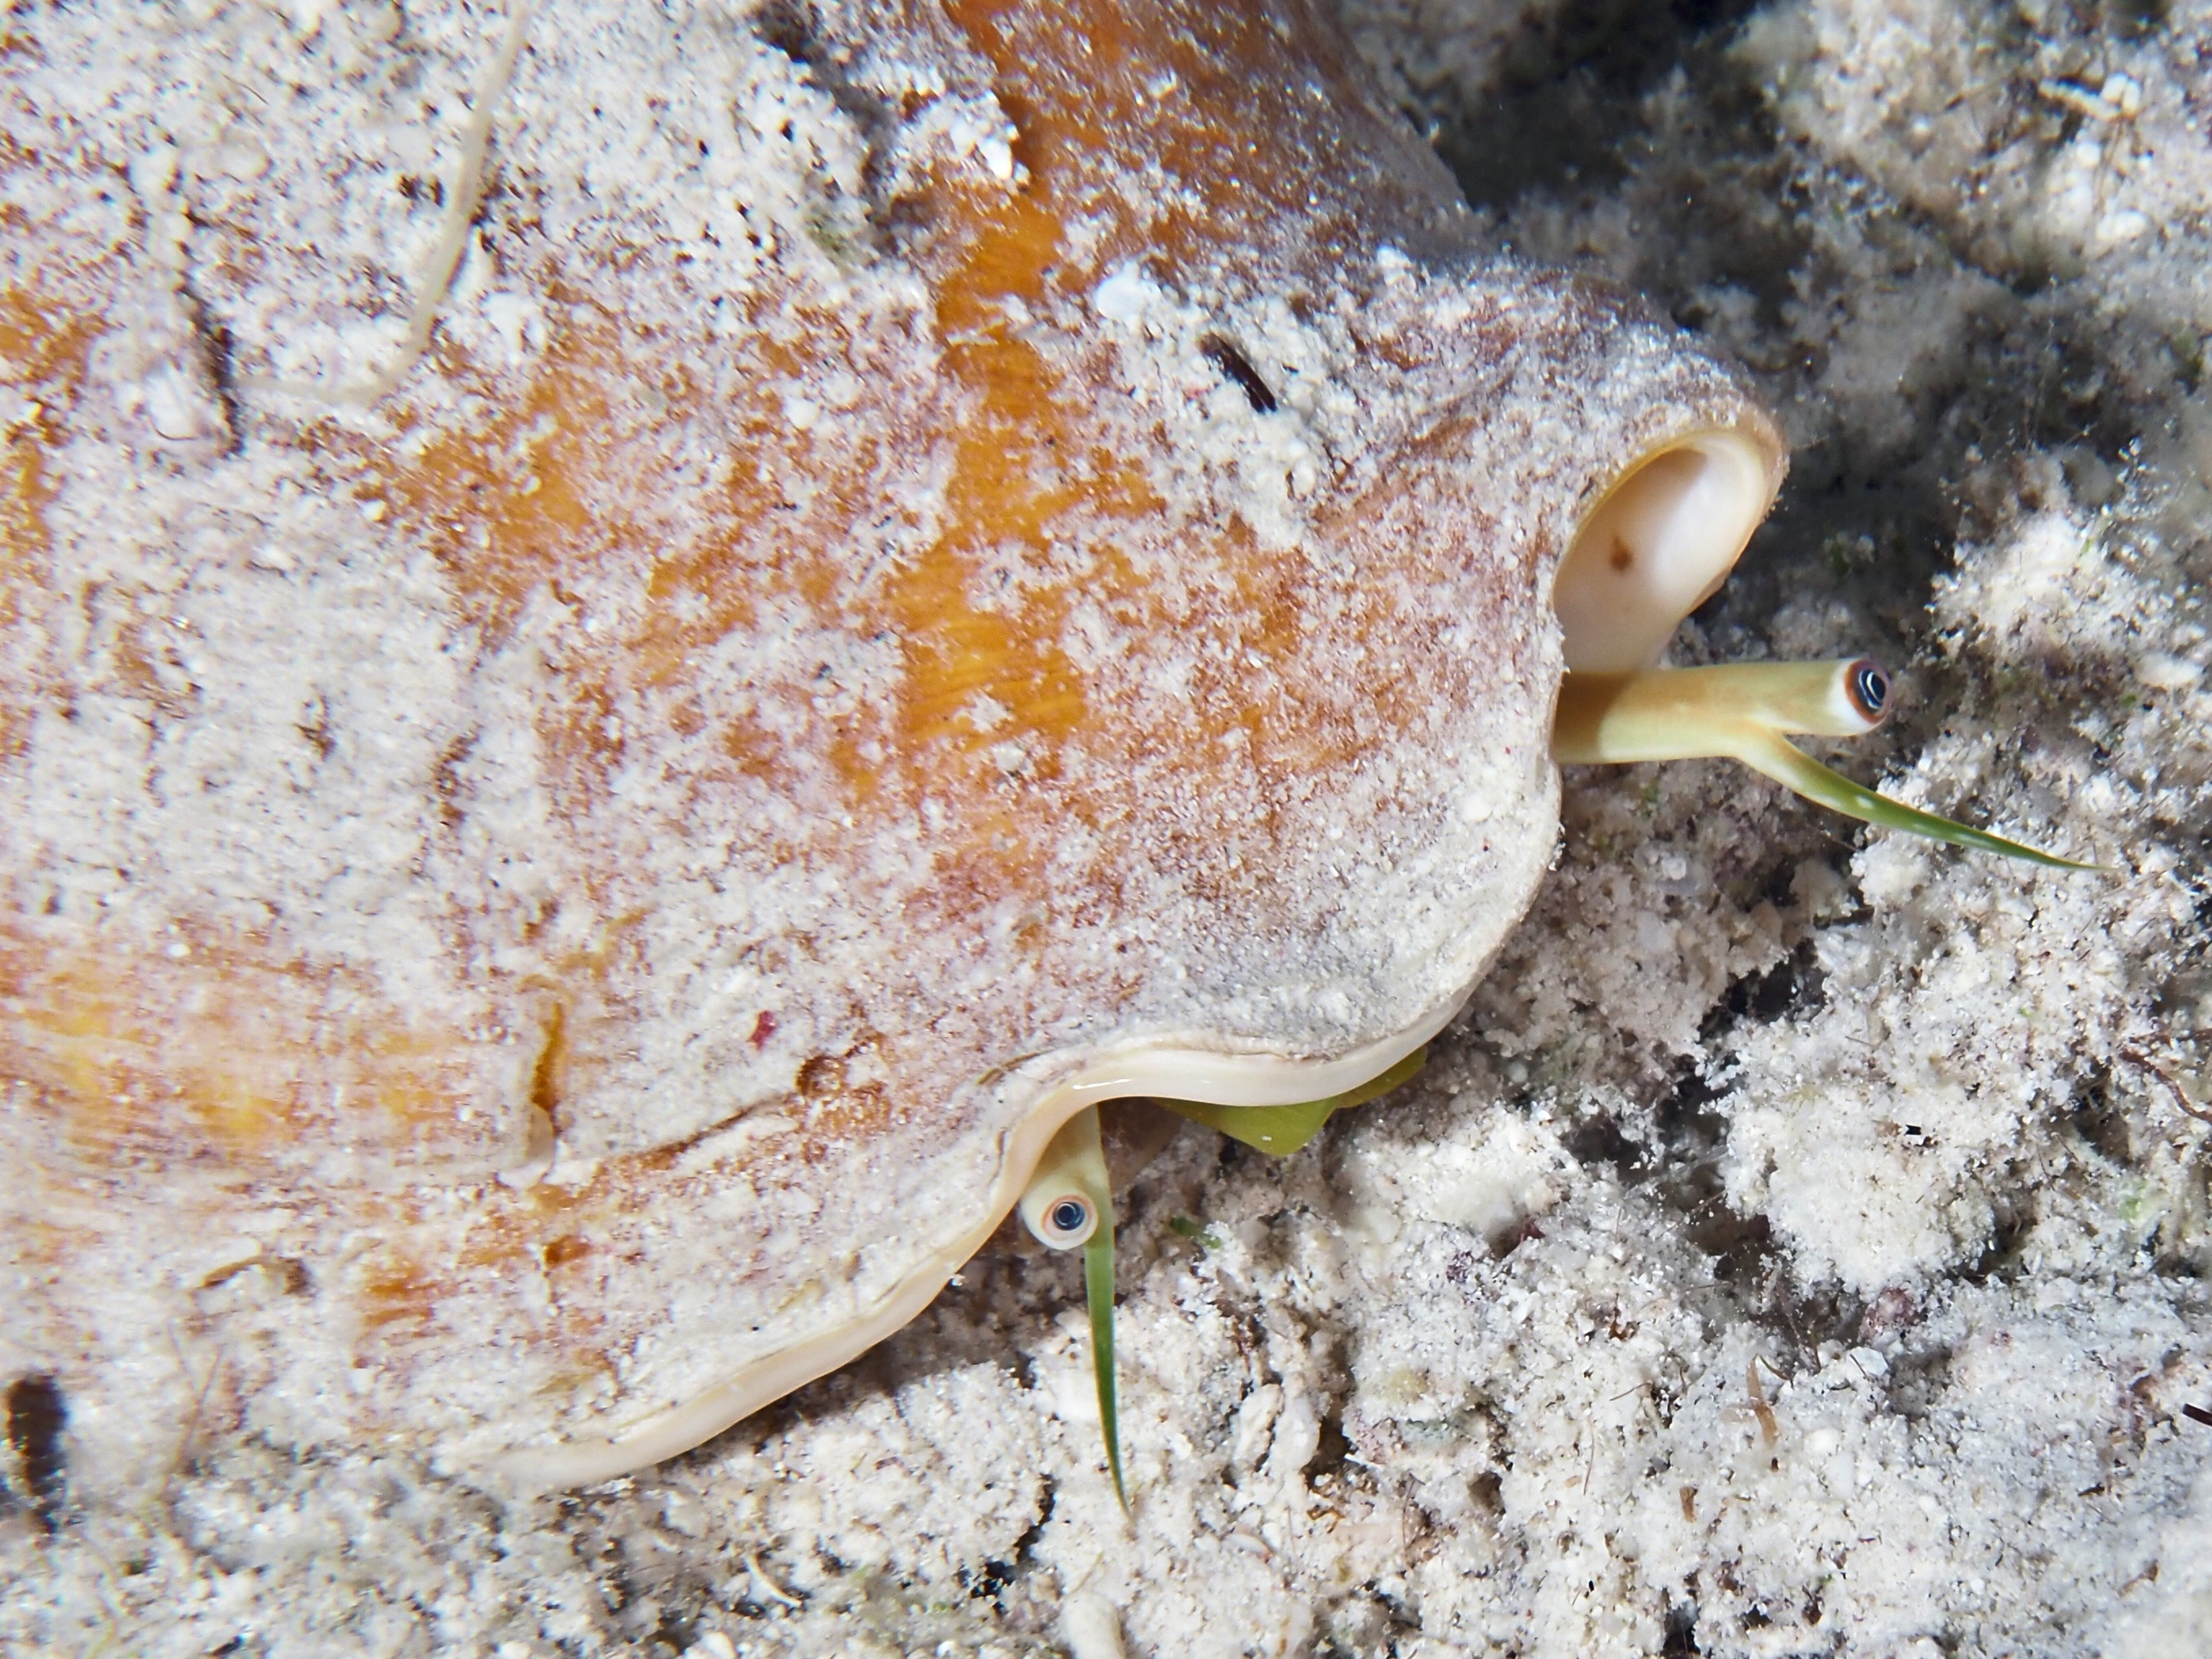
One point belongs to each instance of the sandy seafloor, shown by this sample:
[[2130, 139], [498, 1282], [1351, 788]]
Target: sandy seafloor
[[1801, 1244]]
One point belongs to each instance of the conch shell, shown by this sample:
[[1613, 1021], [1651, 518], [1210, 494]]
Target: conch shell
[[582, 808]]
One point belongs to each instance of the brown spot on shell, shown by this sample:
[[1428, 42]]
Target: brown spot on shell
[[37, 1414], [547, 1073], [822, 1074]]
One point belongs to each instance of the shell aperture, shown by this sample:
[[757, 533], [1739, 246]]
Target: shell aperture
[[1659, 543]]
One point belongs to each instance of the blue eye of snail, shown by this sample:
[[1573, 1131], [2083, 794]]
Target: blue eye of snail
[[1069, 1215], [1869, 689]]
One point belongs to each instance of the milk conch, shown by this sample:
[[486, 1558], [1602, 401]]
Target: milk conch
[[641, 660]]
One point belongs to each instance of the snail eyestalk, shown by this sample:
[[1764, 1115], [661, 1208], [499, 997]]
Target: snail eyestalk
[[1740, 712], [1069, 1205]]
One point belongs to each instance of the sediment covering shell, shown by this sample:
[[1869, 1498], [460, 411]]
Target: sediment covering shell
[[933, 558]]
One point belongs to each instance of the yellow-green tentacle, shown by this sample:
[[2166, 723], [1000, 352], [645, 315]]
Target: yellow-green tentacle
[[1793, 769], [1098, 1290], [1281, 1130]]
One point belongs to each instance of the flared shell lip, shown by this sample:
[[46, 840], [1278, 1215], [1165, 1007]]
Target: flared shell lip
[[1751, 458], [1150, 1065]]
